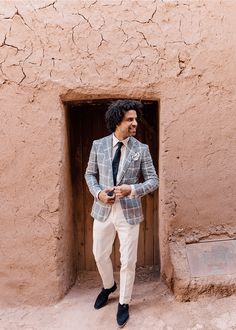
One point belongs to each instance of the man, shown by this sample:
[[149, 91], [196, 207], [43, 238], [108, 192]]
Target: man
[[113, 173]]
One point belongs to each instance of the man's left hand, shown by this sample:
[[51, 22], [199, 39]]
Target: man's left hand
[[122, 191]]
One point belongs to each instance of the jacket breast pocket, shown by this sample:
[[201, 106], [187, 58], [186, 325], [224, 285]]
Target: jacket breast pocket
[[134, 165]]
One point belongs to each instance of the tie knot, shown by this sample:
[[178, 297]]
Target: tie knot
[[120, 144]]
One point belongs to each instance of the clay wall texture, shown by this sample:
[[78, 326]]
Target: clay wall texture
[[182, 53]]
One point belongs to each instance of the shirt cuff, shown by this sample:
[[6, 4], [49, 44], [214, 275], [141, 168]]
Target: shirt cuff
[[133, 193], [98, 194]]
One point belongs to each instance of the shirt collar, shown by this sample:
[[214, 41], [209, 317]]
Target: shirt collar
[[115, 141]]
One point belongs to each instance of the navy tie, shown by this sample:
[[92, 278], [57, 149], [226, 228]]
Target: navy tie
[[116, 161]]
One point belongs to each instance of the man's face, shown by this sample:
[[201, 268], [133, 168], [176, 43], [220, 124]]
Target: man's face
[[129, 124]]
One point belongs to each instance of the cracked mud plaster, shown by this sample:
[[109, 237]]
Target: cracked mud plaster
[[90, 40], [179, 52], [148, 34], [92, 35]]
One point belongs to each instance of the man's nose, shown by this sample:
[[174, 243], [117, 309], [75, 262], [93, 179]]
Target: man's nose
[[134, 123]]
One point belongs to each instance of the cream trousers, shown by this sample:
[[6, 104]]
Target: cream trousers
[[103, 238]]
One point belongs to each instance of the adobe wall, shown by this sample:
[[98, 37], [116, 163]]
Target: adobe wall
[[181, 52]]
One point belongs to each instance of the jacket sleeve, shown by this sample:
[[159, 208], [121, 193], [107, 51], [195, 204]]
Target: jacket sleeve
[[151, 181], [92, 172]]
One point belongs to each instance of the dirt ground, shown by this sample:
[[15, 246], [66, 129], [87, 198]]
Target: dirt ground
[[153, 307]]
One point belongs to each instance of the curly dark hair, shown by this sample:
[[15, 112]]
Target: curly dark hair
[[117, 109]]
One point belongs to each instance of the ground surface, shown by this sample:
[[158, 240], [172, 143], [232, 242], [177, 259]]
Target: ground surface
[[153, 307]]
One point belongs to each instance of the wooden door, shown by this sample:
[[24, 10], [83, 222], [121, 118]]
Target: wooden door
[[86, 123]]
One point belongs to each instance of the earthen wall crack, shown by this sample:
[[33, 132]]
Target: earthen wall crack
[[49, 5]]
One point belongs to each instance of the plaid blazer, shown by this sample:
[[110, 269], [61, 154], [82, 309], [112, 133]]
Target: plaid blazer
[[99, 176]]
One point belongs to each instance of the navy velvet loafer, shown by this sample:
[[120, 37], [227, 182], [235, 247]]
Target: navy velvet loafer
[[102, 298], [122, 314]]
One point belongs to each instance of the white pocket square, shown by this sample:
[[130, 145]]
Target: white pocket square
[[135, 156]]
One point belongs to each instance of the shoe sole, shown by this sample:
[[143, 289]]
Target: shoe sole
[[100, 306]]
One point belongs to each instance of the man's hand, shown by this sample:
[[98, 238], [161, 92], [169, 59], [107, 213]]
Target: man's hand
[[103, 196], [122, 191]]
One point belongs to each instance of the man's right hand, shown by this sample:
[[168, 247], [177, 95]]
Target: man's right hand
[[106, 199]]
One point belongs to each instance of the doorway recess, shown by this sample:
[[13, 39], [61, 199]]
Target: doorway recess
[[85, 124]]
